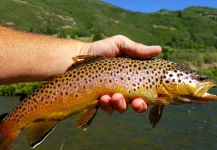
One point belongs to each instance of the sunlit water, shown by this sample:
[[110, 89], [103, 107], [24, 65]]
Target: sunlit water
[[192, 127]]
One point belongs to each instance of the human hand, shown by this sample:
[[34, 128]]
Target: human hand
[[121, 46]]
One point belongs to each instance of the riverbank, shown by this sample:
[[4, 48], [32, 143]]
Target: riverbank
[[18, 89]]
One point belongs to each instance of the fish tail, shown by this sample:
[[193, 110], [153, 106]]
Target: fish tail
[[7, 136]]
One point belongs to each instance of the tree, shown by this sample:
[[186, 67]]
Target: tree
[[180, 14], [215, 42], [167, 53], [31, 29], [62, 34], [49, 30]]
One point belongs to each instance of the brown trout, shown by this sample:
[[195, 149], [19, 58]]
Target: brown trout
[[158, 81]]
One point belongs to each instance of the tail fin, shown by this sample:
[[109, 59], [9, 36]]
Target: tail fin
[[7, 136]]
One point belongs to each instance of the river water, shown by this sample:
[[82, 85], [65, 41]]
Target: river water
[[182, 127]]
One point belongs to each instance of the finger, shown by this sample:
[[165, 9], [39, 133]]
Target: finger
[[146, 51], [118, 102], [105, 104], [142, 51], [134, 49], [139, 105]]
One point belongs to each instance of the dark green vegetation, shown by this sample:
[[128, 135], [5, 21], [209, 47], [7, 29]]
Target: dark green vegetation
[[20, 89], [188, 37]]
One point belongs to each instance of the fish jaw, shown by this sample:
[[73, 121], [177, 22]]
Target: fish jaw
[[202, 88], [200, 95], [209, 97]]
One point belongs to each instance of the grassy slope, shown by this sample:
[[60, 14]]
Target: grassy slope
[[186, 34], [193, 28]]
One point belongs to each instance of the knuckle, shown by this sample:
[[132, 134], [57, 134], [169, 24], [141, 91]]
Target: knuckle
[[119, 36]]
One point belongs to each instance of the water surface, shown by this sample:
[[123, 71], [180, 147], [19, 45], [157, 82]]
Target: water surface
[[182, 127]]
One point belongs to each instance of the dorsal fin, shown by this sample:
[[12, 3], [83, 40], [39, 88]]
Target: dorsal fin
[[86, 116], [38, 131], [83, 60]]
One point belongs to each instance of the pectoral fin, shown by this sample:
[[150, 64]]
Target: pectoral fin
[[155, 114], [86, 116], [38, 131]]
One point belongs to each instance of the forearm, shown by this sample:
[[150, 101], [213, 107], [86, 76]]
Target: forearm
[[31, 57]]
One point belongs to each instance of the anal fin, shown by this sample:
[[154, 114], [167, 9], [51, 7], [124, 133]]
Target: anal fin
[[155, 114], [86, 116], [38, 131]]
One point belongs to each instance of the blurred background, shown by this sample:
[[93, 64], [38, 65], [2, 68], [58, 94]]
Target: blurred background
[[187, 31]]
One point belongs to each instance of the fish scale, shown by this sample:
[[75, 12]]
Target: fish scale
[[77, 90]]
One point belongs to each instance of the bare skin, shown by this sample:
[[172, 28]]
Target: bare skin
[[31, 57]]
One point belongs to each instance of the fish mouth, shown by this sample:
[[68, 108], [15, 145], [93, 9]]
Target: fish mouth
[[201, 95]]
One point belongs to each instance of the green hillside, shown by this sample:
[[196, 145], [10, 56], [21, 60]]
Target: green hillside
[[188, 36], [192, 28]]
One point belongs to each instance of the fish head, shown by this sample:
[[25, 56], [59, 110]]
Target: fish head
[[187, 85]]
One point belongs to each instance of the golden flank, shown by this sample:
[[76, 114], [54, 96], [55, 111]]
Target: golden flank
[[77, 91]]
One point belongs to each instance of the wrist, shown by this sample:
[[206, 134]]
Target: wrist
[[80, 48]]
